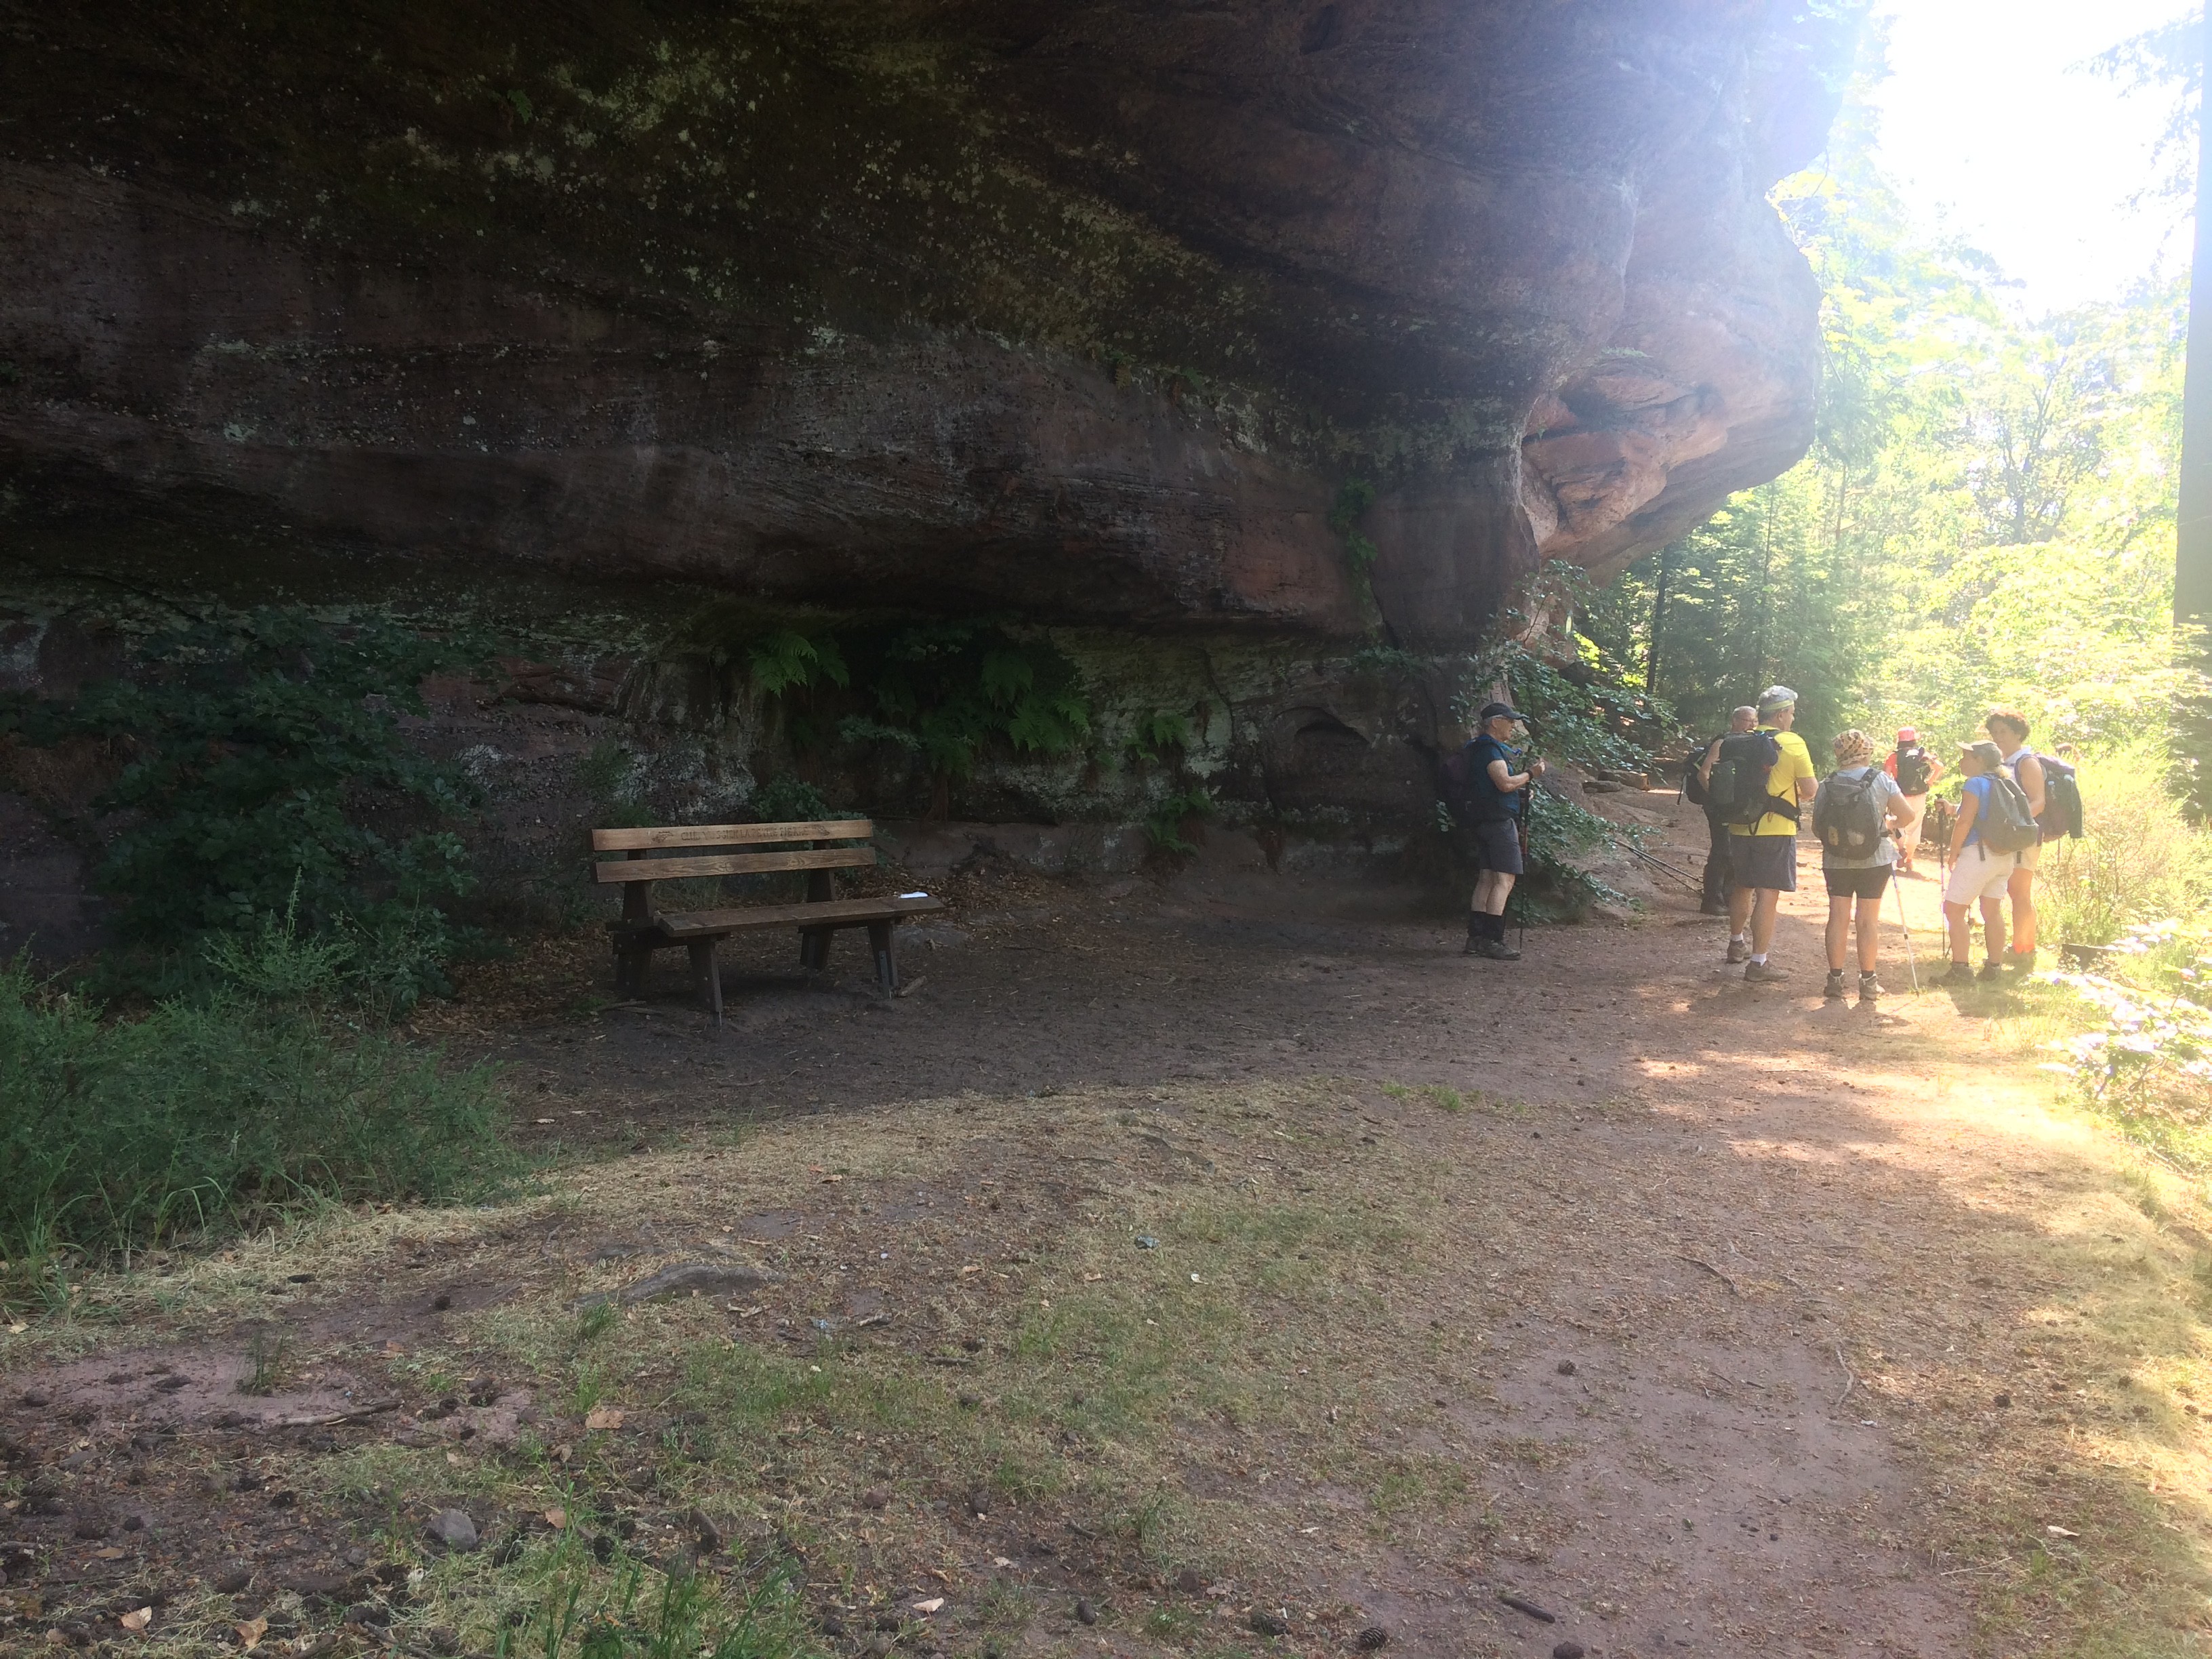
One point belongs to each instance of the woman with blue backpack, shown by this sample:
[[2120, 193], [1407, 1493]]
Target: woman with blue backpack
[[1993, 827], [1857, 816]]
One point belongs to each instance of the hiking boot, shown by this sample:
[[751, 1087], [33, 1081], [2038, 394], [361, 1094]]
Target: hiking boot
[[1475, 941], [1496, 949], [1739, 951], [1991, 971], [2021, 962], [1763, 973], [1962, 974], [1713, 908], [1870, 988], [1834, 989]]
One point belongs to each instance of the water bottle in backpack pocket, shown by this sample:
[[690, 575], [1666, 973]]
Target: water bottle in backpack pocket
[[1848, 816]]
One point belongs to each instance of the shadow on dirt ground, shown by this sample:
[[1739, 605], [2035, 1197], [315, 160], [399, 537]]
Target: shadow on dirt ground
[[1166, 1273]]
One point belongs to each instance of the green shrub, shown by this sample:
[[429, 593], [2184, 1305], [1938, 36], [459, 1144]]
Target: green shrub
[[2140, 859], [266, 773], [214, 1117]]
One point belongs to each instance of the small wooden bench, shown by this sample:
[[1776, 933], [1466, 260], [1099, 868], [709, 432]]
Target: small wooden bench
[[683, 852]]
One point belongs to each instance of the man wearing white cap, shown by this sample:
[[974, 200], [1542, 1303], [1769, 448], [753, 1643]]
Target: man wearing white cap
[[1764, 855]]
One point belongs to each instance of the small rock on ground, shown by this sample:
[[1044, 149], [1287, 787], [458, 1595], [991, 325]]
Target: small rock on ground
[[452, 1529]]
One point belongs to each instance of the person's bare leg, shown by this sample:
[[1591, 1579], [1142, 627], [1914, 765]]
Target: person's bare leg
[[1839, 930], [1870, 934], [1501, 889], [1961, 931], [1480, 904], [2020, 889], [1993, 928], [1765, 900], [1739, 910]]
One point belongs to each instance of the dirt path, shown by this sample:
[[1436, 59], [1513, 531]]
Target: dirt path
[[1215, 1269]]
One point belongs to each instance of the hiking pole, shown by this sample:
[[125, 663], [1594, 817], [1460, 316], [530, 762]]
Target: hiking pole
[[1911, 956]]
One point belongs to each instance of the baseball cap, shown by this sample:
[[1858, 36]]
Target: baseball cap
[[1777, 697], [1908, 734], [1491, 711]]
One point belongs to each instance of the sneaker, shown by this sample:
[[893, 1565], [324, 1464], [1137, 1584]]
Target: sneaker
[[1764, 973], [1870, 988], [2023, 962], [1991, 970], [1496, 949], [1834, 987], [1739, 951], [1713, 908], [1962, 974]]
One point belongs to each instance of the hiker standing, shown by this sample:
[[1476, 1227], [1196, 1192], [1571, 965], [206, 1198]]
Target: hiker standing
[[1915, 771], [1697, 788], [1769, 777], [1993, 825], [1857, 814], [2007, 729], [1497, 799]]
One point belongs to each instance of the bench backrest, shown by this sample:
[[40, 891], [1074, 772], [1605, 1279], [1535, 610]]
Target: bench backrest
[[664, 854]]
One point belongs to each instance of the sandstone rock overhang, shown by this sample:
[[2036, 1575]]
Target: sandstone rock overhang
[[1086, 310]]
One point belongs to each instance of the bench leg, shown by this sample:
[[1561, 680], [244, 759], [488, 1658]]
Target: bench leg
[[814, 948], [879, 941], [632, 967], [706, 974]]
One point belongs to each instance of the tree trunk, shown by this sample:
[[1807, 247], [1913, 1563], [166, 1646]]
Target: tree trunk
[[1658, 622], [2192, 572]]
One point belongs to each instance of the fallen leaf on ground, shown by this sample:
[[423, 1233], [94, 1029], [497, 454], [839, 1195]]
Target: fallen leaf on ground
[[930, 1606], [2061, 1532], [557, 1517], [110, 1553], [251, 1633], [137, 1620], [603, 1417]]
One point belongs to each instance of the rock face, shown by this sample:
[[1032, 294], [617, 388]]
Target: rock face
[[1084, 311]]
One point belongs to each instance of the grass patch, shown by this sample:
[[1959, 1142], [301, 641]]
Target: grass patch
[[209, 1119], [1437, 1094]]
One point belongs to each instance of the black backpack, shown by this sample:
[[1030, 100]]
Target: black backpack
[[1913, 770], [1847, 815], [1470, 797], [2004, 824], [1738, 789], [1694, 787], [2061, 800]]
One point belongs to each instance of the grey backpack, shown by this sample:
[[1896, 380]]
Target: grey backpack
[[1847, 815]]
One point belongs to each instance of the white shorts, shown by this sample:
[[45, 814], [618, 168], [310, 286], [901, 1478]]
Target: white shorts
[[1974, 877], [2030, 856]]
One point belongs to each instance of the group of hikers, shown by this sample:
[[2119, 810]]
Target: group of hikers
[[1755, 780]]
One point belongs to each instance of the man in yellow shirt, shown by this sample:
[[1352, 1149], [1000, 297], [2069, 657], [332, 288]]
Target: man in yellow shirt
[[1763, 856]]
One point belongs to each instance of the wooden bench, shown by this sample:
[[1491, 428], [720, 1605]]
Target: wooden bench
[[682, 852]]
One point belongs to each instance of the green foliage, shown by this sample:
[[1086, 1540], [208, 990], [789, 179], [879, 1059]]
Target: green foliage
[[1352, 501], [787, 658], [1157, 734], [944, 689], [1561, 830], [1163, 824], [787, 800], [1593, 724], [218, 1116], [2145, 1057], [2139, 857], [266, 773]]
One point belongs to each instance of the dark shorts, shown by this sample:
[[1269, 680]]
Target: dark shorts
[[1493, 845], [1768, 861], [1857, 884]]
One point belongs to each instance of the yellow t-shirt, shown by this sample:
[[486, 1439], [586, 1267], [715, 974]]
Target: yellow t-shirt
[[1795, 762]]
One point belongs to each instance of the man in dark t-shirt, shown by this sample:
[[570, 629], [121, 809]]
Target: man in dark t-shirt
[[1497, 796]]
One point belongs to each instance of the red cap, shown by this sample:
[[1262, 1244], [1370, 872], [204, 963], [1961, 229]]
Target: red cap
[[1907, 734]]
